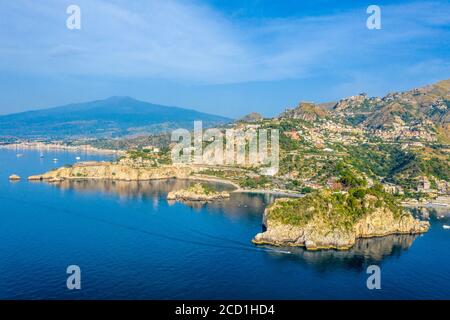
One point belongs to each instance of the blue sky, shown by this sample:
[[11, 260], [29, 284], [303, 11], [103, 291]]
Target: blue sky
[[227, 57]]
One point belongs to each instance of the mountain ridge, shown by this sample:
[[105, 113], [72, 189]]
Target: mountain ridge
[[110, 117], [427, 107]]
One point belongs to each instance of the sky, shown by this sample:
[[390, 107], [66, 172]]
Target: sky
[[227, 57]]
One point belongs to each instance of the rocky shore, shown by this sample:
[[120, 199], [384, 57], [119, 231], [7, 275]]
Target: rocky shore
[[328, 229], [197, 192], [112, 171]]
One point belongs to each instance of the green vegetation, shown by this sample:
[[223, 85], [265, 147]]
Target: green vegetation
[[202, 189], [348, 178], [436, 167], [254, 182], [401, 140], [357, 119], [212, 172], [144, 154], [150, 157], [379, 159], [340, 210]]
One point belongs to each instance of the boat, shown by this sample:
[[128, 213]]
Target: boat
[[55, 160], [41, 155], [19, 155], [78, 158], [446, 226]]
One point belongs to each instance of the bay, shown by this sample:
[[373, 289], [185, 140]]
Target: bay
[[130, 243]]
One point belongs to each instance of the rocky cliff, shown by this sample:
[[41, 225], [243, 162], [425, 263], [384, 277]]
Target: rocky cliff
[[332, 224], [113, 171]]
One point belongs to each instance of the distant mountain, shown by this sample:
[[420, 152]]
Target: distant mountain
[[112, 117]]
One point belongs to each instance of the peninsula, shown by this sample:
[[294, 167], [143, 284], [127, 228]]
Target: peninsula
[[113, 171]]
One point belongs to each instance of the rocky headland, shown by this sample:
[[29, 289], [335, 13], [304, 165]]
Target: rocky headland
[[113, 171], [326, 220], [197, 192]]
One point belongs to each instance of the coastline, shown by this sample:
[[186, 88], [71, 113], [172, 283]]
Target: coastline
[[439, 202], [285, 193], [193, 176], [313, 237], [332, 247], [320, 232], [239, 189], [213, 179], [40, 146]]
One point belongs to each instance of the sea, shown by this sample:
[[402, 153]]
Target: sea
[[129, 242]]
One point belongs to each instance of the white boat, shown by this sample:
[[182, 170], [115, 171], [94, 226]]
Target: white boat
[[446, 226], [55, 160], [41, 155], [19, 155], [78, 158]]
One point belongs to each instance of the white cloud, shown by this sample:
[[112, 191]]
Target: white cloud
[[191, 43]]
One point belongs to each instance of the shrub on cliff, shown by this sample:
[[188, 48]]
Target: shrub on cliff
[[336, 209]]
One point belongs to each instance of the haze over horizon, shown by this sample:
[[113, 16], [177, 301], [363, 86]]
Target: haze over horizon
[[226, 58]]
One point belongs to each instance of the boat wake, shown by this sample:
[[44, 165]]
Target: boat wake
[[229, 243]]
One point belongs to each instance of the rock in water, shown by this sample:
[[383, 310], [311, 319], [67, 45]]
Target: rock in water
[[14, 177], [197, 192]]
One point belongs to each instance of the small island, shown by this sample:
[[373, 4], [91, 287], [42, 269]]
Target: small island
[[198, 192], [334, 220]]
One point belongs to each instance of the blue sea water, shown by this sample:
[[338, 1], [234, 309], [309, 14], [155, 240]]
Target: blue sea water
[[130, 243]]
